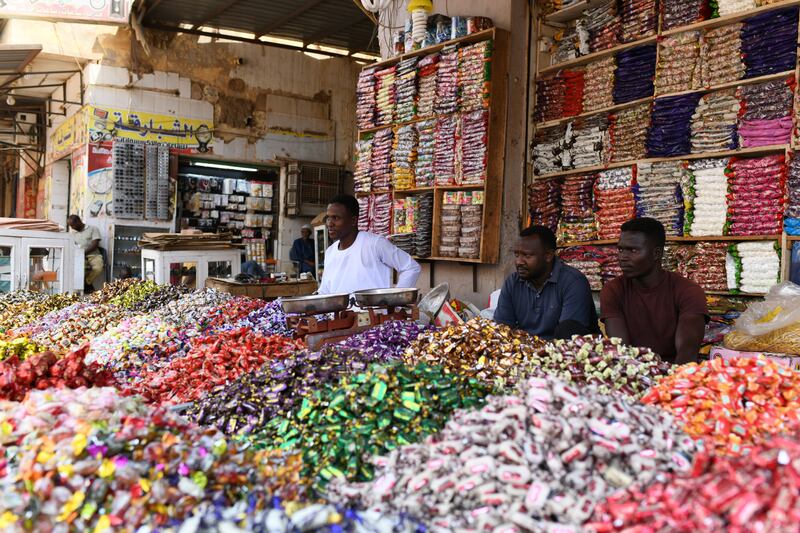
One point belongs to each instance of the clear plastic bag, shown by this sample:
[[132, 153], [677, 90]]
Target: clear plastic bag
[[780, 308]]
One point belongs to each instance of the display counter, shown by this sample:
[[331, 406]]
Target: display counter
[[190, 267], [265, 291]]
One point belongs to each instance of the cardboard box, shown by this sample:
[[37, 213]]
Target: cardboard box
[[792, 361]]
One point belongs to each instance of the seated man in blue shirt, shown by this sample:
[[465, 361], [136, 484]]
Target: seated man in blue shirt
[[545, 296]]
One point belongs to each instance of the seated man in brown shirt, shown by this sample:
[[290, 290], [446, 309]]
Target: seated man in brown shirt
[[648, 306]]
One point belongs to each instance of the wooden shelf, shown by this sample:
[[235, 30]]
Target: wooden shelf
[[710, 238], [729, 19], [733, 293], [468, 39], [572, 12], [596, 55], [414, 191]]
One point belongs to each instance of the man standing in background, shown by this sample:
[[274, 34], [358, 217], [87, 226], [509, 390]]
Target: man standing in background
[[88, 238], [302, 252]]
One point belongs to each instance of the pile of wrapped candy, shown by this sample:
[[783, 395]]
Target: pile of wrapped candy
[[380, 168], [766, 113], [447, 81], [757, 265], [474, 75], [363, 212], [613, 196], [544, 199], [714, 122], [730, 7], [670, 131], [629, 133], [603, 24], [444, 155], [676, 13], [385, 96], [550, 99], [17, 315], [588, 144], [583, 258], [769, 42], [633, 79], [546, 150], [405, 156], [791, 222], [365, 99], [598, 91], [721, 55], [756, 195], [424, 167], [707, 265], [658, 193], [577, 222], [406, 90], [426, 90], [678, 66], [379, 213], [639, 19], [705, 197], [423, 235], [362, 182]]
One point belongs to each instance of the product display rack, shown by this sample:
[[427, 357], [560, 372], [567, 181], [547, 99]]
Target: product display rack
[[548, 25], [492, 187]]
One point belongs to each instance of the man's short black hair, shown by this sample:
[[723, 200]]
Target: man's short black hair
[[545, 234], [348, 201], [652, 229]]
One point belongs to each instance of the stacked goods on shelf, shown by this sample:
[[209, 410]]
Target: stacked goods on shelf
[[629, 133], [547, 150], [471, 224], [678, 67], [444, 158], [381, 160], [613, 195], [676, 13], [577, 222], [705, 198], [566, 45], [380, 216], [544, 199], [598, 92], [756, 195], [603, 25], [670, 126], [550, 99], [363, 212], [447, 81], [573, 92], [721, 55], [791, 221], [676, 258], [365, 99], [473, 148], [450, 226], [633, 79], [759, 265], [731, 7], [404, 241], [769, 42], [589, 143], [424, 168], [426, 91], [658, 194], [474, 75], [609, 268], [714, 122], [639, 19], [406, 90], [405, 156], [766, 113], [424, 230], [362, 182], [385, 95], [707, 266], [588, 261]]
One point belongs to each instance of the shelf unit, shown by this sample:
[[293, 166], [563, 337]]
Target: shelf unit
[[548, 25], [493, 186]]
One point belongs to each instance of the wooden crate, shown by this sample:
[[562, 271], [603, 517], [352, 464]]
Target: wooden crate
[[264, 291]]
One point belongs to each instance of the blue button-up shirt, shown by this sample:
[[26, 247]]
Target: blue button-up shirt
[[566, 295]]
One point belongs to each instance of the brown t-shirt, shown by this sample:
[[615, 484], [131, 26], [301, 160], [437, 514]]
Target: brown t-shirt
[[652, 315]]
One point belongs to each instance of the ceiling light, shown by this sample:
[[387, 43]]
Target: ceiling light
[[223, 166], [10, 100]]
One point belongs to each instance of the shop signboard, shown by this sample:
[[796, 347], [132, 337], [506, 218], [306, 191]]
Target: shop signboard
[[107, 123], [68, 136], [98, 11]]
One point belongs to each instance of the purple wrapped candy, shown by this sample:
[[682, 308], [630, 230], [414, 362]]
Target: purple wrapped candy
[[387, 341], [269, 320]]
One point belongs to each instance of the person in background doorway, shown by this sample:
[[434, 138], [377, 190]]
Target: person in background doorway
[[649, 306], [302, 252], [88, 238], [359, 260], [545, 296]]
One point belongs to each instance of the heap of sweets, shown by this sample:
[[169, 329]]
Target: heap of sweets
[[81, 327], [583, 259], [478, 348], [109, 462], [607, 363], [721, 50], [670, 131], [219, 317], [17, 297], [444, 160], [364, 205], [362, 180], [769, 42], [405, 156], [633, 79], [380, 214], [48, 322], [678, 67], [547, 150], [18, 315], [588, 142], [20, 347], [714, 122], [474, 75], [211, 361], [755, 498], [266, 320], [380, 168], [577, 222], [604, 26], [472, 148], [426, 145], [676, 13], [731, 405], [730, 7], [598, 91], [639, 19], [189, 310], [426, 91], [135, 294], [658, 196], [162, 295], [537, 460], [791, 221], [550, 99], [613, 196], [756, 195], [758, 265], [130, 335], [46, 371], [386, 95], [365, 99], [423, 236], [707, 191], [629, 133], [112, 290], [406, 90], [447, 82], [766, 113], [374, 412], [708, 266], [544, 202]]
